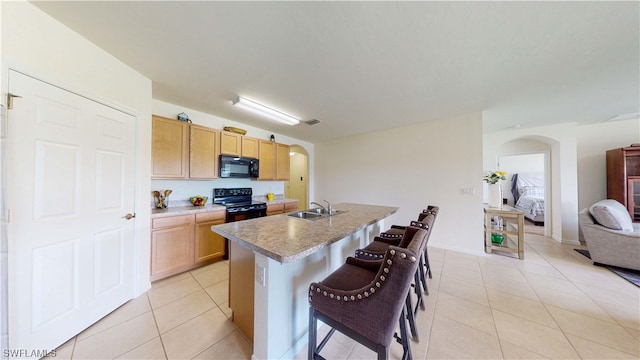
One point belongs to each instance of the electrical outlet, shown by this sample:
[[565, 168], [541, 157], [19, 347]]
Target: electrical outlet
[[468, 190], [260, 275]]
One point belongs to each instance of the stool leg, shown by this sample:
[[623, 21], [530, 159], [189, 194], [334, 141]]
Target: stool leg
[[311, 353], [426, 263], [418, 291], [423, 280], [406, 346], [407, 312]]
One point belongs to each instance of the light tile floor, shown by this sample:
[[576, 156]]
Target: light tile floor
[[553, 305]]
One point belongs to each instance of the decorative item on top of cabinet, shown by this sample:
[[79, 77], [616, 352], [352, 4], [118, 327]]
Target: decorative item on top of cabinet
[[623, 178], [180, 150], [184, 117]]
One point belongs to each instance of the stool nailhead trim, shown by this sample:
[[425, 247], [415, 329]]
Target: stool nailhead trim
[[390, 236], [371, 290]]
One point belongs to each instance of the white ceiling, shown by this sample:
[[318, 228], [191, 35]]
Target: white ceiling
[[366, 66]]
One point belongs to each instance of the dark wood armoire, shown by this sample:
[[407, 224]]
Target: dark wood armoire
[[623, 178]]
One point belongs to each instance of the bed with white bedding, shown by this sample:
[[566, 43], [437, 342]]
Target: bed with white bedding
[[528, 194]]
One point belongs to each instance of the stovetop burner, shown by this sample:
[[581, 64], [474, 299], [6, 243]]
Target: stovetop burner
[[237, 199]]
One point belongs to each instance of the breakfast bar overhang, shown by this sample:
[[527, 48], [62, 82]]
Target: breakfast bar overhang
[[278, 257]]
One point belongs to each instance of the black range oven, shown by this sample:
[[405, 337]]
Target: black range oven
[[239, 204]]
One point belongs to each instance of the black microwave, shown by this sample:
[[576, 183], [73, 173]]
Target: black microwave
[[238, 167]]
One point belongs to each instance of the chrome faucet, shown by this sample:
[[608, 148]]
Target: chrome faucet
[[328, 208]]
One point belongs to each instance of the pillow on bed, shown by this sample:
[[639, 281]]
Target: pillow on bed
[[611, 214], [534, 191]]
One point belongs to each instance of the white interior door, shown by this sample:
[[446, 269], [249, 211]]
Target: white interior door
[[71, 183]]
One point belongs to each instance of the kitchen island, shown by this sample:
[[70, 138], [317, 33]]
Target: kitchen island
[[273, 260]]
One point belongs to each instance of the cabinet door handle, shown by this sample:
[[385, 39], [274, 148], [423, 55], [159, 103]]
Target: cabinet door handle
[[129, 216]]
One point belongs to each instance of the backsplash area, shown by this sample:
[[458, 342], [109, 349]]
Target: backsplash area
[[182, 190]]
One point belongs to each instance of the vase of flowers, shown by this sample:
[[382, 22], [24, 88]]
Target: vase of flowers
[[493, 178]]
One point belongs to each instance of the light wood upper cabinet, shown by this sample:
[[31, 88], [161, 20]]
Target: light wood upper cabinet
[[180, 150], [169, 148], [267, 150], [237, 145], [230, 143], [250, 147], [204, 153], [274, 161], [282, 161]]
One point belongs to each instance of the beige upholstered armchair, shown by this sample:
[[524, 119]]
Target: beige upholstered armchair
[[611, 237]]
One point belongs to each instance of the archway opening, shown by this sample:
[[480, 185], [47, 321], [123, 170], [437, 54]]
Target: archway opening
[[298, 185]]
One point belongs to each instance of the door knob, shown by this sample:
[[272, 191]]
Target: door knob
[[129, 216]]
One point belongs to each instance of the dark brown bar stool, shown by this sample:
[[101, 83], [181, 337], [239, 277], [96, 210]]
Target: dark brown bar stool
[[377, 248], [365, 299], [397, 229]]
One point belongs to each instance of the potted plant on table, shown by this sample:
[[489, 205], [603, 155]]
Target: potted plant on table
[[493, 178]]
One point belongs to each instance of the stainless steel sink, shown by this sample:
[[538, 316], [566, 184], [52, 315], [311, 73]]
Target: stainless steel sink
[[314, 214], [305, 215]]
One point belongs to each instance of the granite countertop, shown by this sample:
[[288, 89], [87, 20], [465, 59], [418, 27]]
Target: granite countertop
[[185, 207], [287, 239], [276, 201], [184, 210]]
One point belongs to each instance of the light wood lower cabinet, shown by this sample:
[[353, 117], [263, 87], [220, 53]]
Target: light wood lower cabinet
[[290, 206], [184, 242], [282, 207], [208, 245], [275, 209]]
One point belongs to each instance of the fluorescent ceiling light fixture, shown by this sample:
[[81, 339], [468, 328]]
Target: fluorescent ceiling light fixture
[[628, 116], [260, 109]]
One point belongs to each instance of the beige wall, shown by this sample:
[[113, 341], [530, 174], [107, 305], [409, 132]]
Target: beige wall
[[411, 167], [593, 142], [578, 166], [35, 43], [561, 140]]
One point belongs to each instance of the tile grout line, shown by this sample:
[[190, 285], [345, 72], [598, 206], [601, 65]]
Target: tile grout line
[[493, 320], [547, 309], [164, 350]]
